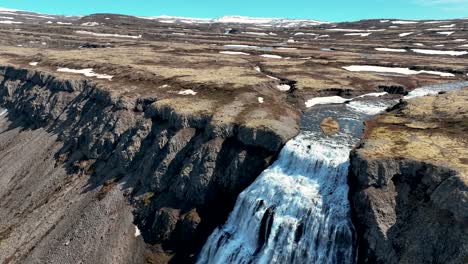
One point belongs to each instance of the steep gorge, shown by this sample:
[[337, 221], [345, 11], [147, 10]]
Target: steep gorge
[[81, 147]]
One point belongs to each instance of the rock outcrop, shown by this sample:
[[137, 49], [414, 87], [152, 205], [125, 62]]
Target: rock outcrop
[[181, 172], [409, 183]]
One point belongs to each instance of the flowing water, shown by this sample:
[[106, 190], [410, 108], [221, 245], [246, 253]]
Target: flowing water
[[297, 210]]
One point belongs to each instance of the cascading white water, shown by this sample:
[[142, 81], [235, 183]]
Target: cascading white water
[[297, 211]]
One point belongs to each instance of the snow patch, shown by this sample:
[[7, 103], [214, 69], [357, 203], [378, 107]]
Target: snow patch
[[447, 26], [404, 71], [260, 100], [106, 35], [90, 24], [440, 52], [234, 53], [403, 22], [187, 92], [9, 22], [4, 112], [86, 72], [447, 33], [326, 100], [271, 56], [390, 50], [358, 34], [283, 87], [137, 232], [405, 34], [34, 63]]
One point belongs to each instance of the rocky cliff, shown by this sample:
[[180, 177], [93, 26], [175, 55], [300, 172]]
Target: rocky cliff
[[84, 158], [409, 183]]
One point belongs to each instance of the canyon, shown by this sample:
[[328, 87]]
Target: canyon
[[156, 140]]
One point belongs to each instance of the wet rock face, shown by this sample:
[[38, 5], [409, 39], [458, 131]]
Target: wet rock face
[[408, 185], [181, 177]]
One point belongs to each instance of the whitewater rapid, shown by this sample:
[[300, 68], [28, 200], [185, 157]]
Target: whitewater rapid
[[297, 210]]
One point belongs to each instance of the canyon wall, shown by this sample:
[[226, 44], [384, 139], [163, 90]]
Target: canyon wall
[[409, 183], [178, 173]]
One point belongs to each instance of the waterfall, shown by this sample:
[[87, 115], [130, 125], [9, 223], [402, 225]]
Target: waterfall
[[296, 211]]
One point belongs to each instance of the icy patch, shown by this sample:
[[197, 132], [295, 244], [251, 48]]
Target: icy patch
[[34, 63], [326, 100], [137, 232], [358, 34], [234, 53], [90, 24], [10, 22], [404, 71], [403, 22], [86, 72], [187, 92], [106, 35], [405, 34], [440, 52], [283, 87], [4, 112], [390, 50], [271, 56], [260, 100], [447, 33]]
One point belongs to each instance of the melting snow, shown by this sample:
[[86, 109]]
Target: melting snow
[[390, 50], [448, 26], [260, 100], [34, 63], [283, 87], [447, 33], [86, 72], [233, 53], [257, 33], [187, 92], [284, 48], [358, 34], [405, 34], [90, 24], [106, 35], [137, 232], [405, 71], [440, 52], [271, 56], [403, 22], [10, 22], [326, 100]]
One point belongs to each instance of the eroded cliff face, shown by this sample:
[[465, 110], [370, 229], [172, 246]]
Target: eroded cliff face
[[409, 183], [85, 152]]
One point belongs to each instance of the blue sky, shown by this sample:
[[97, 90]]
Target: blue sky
[[328, 10]]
